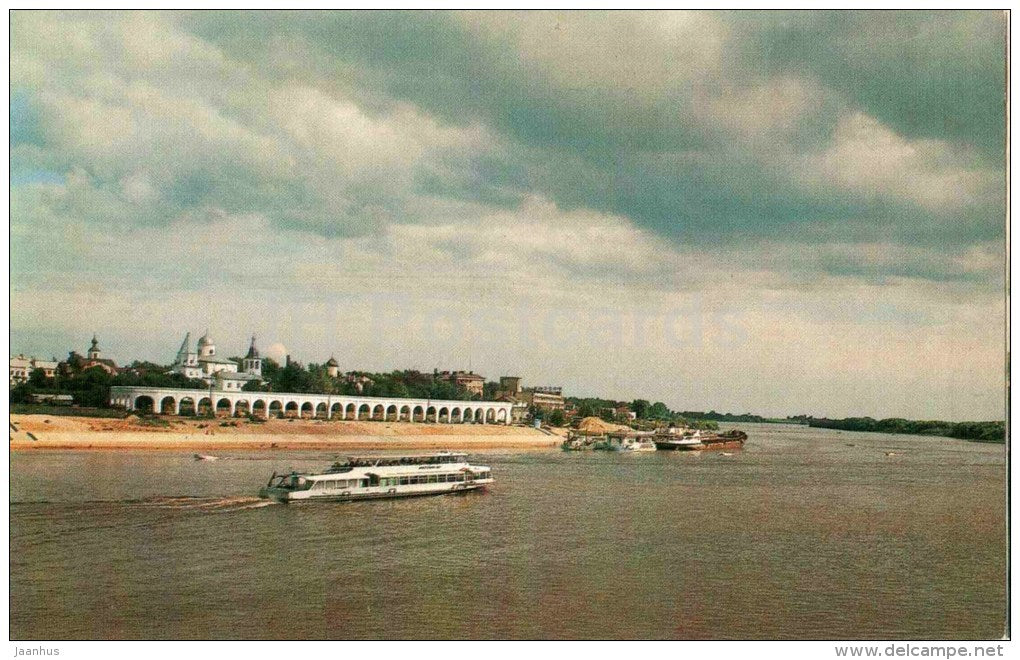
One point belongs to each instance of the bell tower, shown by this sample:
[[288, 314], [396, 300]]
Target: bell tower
[[252, 363], [94, 351]]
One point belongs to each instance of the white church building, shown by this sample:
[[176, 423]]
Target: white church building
[[218, 372]]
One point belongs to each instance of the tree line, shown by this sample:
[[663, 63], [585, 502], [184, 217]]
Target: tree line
[[979, 431], [90, 387]]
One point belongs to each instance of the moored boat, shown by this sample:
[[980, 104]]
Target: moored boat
[[638, 443], [381, 477], [682, 439], [729, 440]]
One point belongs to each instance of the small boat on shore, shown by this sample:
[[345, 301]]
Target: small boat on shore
[[641, 442], [381, 477]]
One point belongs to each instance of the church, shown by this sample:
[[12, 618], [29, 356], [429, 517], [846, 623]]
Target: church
[[219, 372]]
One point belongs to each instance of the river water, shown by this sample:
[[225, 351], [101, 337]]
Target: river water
[[806, 533]]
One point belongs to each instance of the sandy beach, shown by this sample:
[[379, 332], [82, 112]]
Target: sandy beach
[[52, 432]]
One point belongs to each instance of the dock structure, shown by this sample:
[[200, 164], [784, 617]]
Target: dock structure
[[174, 401]]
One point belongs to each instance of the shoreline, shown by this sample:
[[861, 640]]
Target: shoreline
[[53, 433]]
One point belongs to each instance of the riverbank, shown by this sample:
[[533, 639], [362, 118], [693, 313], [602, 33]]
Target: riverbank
[[48, 432]]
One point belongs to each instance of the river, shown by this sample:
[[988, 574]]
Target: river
[[803, 534]]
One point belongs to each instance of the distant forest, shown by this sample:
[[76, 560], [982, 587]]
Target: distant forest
[[978, 431]]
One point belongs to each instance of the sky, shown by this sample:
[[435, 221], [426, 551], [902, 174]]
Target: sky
[[768, 212]]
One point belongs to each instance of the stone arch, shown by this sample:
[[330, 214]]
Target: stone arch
[[404, 414], [501, 415], [435, 414], [443, 412], [292, 409], [242, 408], [223, 406], [168, 406], [336, 411], [187, 406], [455, 415], [490, 415], [276, 409], [378, 412], [392, 409], [350, 411], [144, 403], [204, 407], [321, 411], [467, 415], [307, 407], [258, 408], [364, 410], [418, 414]]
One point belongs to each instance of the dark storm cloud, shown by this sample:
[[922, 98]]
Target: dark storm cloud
[[653, 150]]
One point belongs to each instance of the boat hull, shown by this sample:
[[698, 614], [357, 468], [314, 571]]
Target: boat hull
[[381, 493], [676, 446], [725, 444]]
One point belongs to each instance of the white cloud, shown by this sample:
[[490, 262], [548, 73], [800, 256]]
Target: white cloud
[[870, 159]]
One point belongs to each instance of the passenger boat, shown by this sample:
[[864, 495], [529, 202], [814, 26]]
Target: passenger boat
[[381, 477]]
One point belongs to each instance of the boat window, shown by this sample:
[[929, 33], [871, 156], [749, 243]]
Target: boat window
[[403, 481], [432, 479]]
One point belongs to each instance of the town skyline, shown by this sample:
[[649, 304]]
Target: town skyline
[[280, 354], [770, 212]]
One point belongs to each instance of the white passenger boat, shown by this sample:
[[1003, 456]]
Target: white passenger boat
[[678, 438], [379, 477]]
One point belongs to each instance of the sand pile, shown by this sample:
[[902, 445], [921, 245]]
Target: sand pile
[[596, 425]]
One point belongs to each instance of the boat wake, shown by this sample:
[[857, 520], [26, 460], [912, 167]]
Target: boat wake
[[207, 504]]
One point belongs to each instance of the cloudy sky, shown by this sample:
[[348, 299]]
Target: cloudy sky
[[766, 212]]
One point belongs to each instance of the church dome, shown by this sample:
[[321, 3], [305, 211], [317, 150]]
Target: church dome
[[204, 340], [332, 362]]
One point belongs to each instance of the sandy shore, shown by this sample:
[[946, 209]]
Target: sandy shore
[[94, 433]]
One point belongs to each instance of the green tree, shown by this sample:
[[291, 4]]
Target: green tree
[[658, 410], [640, 408], [38, 380], [556, 417]]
